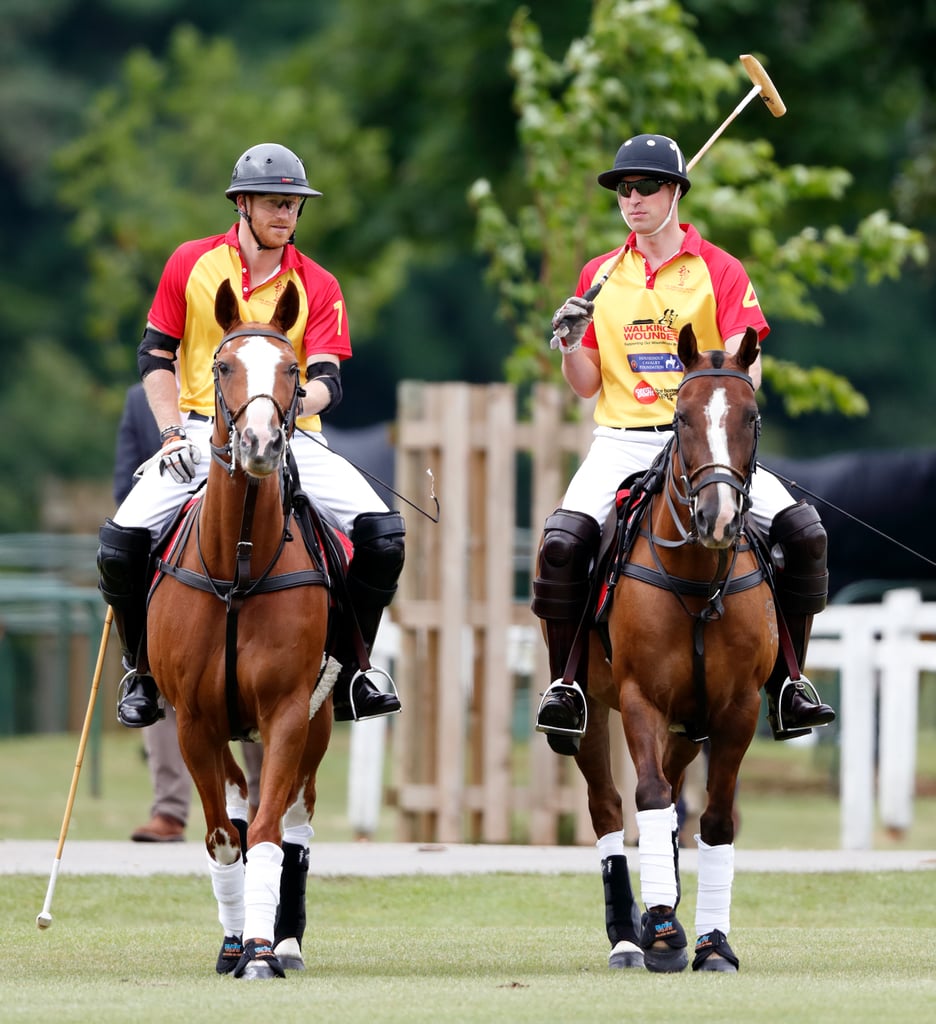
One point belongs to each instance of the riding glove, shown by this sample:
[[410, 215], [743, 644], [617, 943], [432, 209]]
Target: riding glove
[[570, 322], [179, 458]]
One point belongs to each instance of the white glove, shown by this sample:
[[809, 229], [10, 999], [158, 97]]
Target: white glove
[[570, 322], [179, 458]]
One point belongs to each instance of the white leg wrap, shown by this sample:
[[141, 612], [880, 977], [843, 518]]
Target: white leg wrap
[[716, 874], [657, 861], [298, 834], [611, 845], [235, 804], [227, 883], [261, 890]]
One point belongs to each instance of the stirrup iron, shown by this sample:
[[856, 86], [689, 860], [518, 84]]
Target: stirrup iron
[[575, 692], [369, 674]]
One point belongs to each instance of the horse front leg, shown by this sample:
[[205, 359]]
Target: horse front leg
[[622, 917], [717, 851], [662, 937], [210, 768]]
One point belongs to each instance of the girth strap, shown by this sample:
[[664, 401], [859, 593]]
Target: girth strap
[[284, 581], [690, 588]]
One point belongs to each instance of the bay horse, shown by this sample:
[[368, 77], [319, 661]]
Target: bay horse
[[236, 631], [693, 636]]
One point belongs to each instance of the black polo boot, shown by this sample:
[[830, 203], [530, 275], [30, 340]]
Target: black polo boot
[[123, 562], [561, 592], [371, 583], [798, 549]]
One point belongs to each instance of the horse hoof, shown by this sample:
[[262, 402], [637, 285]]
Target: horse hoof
[[231, 951], [289, 955], [663, 941], [666, 960], [712, 953], [625, 954], [258, 961]]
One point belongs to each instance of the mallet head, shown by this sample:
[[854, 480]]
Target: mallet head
[[768, 91], [43, 920]]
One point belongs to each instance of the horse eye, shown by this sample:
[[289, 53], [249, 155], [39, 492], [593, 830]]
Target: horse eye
[[223, 368]]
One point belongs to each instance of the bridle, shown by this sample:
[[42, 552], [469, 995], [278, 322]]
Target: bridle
[[686, 487], [225, 454]]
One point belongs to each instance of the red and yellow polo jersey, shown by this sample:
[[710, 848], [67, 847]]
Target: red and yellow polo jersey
[[638, 316], [184, 308]]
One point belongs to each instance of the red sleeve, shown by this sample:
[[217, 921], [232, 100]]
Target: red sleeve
[[736, 301], [326, 330], [169, 309]]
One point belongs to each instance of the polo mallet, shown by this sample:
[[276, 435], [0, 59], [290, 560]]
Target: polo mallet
[[762, 87], [44, 918]]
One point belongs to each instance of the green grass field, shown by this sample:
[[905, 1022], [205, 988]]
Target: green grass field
[[847, 948]]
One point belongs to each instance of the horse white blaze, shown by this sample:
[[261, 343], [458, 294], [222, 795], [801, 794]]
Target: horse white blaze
[[716, 418], [260, 360]]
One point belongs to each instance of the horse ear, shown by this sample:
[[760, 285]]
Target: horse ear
[[749, 349], [287, 308], [227, 312], [688, 350]]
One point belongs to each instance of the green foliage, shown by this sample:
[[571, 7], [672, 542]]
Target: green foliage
[[150, 169], [641, 67]]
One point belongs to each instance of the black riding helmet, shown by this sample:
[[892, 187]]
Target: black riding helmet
[[269, 168], [655, 155]]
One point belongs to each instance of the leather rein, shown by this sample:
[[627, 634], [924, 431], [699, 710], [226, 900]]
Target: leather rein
[[679, 492], [233, 593]]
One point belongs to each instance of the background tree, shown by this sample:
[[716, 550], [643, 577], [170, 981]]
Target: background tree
[[427, 83], [574, 112]]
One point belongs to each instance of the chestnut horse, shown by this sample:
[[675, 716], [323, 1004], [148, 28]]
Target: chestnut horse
[[693, 637], [236, 632]]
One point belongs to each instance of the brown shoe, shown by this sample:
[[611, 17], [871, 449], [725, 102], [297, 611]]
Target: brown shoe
[[160, 829]]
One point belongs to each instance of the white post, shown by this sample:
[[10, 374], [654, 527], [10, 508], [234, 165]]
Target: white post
[[368, 742], [856, 770], [900, 664]]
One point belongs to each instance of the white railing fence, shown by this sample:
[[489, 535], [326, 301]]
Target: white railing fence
[[879, 651]]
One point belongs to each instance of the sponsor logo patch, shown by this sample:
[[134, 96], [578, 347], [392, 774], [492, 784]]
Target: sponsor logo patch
[[654, 362]]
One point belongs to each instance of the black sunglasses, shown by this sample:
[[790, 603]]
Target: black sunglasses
[[644, 187]]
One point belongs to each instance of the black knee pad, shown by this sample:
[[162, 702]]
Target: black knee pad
[[569, 547], [798, 547], [122, 559], [378, 550]]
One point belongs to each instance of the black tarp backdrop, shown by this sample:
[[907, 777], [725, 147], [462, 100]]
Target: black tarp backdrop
[[892, 491]]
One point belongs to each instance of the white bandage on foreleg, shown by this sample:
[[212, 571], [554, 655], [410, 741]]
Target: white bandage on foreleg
[[298, 834], [657, 859], [235, 803], [227, 883], [611, 845], [261, 890], [716, 874]]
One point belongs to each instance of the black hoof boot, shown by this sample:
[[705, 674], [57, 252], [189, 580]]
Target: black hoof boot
[[663, 941], [139, 701], [712, 953], [232, 949], [797, 711], [563, 715], [358, 698]]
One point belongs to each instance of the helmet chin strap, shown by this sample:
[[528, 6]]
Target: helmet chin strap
[[244, 215], [667, 219]]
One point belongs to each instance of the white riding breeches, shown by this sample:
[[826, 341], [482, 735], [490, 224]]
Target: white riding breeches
[[327, 478], [616, 453]]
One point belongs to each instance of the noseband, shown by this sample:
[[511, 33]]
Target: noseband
[[224, 454], [689, 485]]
